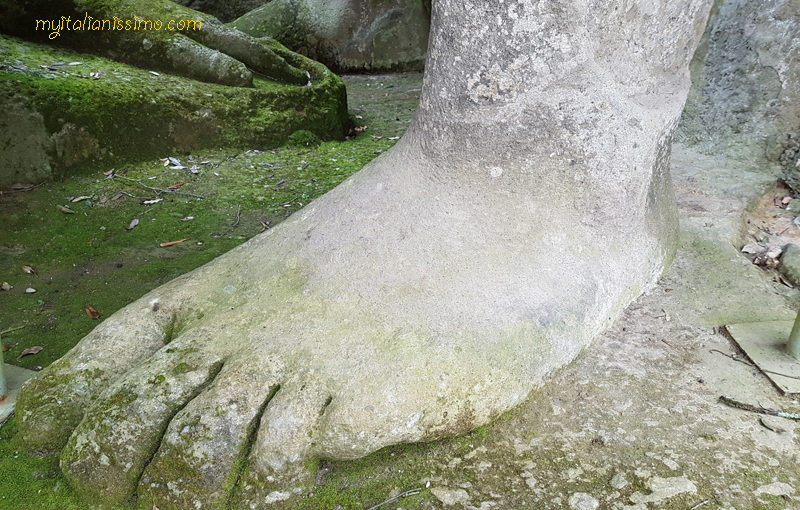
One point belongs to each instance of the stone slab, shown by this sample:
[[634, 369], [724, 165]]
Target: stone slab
[[15, 378], [765, 344]]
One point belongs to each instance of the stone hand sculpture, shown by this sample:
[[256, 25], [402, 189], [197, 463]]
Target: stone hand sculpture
[[154, 34]]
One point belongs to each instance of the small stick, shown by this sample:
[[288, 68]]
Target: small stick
[[699, 505], [132, 196], [412, 492], [10, 330], [758, 409], [740, 360], [157, 190], [238, 215]]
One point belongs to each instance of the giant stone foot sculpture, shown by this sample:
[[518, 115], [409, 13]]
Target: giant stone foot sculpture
[[527, 205]]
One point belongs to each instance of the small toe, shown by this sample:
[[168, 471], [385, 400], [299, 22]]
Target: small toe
[[282, 460]]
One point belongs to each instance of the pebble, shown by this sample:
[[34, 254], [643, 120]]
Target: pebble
[[450, 497], [30, 290], [583, 501], [664, 488], [775, 489], [618, 481]]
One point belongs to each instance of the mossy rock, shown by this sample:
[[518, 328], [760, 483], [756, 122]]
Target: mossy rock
[[62, 118], [790, 264], [349, 35]]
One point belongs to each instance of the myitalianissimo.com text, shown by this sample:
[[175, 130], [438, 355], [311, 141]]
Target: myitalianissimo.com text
[[88, 23]]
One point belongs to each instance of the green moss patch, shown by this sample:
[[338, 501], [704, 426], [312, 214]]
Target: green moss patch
[[101, 112]]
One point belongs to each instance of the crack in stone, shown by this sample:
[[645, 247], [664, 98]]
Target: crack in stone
[[325, 405], [213, 372], [243, 459]]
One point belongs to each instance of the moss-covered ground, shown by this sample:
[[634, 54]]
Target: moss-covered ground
[[102, 112], [89, 256]]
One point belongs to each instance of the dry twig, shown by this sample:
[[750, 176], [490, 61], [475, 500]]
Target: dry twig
[[412, 492]]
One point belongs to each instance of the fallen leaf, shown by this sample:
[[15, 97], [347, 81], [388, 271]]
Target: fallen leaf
[[195, 169], [177, 167], [30, 290], [30, 350], [91, 312], [75, 63], [28, 269], [118, 196], [188, 218], [133, 224], [6, 286], [110, 172], [6, 348], [393, 138], [177, 186], [172, 243], [153, 201], [174, 161], [154, 73], [360, 129], [65, 210], [79, 199], [22, 187]]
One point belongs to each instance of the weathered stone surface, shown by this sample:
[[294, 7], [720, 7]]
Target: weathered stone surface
[[61, 120], [347, 35], [25, 144], [421, 298], [664, 488], [746, 94], [450, 497]]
